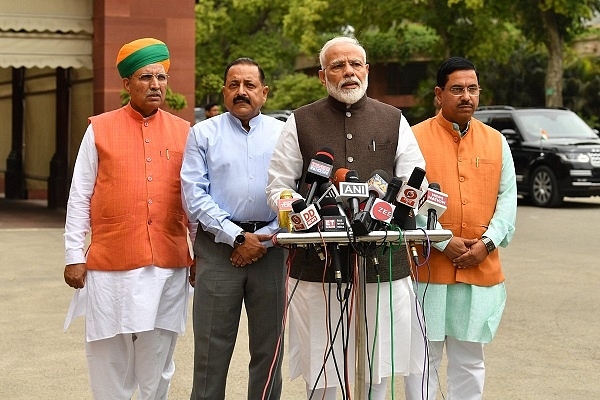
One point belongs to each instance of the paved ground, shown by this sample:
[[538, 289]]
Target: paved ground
[[545, 349]]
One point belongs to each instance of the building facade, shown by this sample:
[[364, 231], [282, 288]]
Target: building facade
[[57, 67]]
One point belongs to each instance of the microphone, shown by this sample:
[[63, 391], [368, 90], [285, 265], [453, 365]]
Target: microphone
[[333, 221], [352, 191], [284, 206], [332, 218], [330, 193], [327, 189], [377, 188], [339, 176], [334, 249], [306, 218], [408, 195], [318, 171], [383, 209], [433, 204]]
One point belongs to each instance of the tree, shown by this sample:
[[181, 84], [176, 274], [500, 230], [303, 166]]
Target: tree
[[293, 91], [553, 23], [497, 35], [228, 29]]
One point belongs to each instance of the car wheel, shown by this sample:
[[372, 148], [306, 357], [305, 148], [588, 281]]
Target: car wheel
[[544, 188]]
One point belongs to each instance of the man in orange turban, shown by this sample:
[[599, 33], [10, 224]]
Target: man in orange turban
[[133, 279]]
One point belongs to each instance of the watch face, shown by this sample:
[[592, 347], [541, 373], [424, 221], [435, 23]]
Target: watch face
[[239, 239]]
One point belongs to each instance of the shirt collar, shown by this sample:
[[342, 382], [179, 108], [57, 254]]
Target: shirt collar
[[452, 126]]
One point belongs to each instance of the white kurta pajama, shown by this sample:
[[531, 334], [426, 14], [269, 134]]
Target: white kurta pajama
[[139, 302]]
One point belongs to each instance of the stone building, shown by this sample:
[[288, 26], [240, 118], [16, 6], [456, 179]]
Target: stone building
[[57, 67]]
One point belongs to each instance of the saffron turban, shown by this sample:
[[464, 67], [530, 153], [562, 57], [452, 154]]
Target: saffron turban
[[142, 52]]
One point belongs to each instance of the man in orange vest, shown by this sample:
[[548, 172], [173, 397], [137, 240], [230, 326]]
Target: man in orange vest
[[132, 280], [461, 287]]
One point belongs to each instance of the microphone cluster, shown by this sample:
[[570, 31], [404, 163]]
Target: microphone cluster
[[341, 202]]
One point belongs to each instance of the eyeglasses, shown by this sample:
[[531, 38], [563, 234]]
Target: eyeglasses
[[459, 90], [147, 78]]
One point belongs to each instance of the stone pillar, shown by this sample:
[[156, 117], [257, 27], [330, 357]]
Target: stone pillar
[[117, 22], [58, 182], [15, 187]]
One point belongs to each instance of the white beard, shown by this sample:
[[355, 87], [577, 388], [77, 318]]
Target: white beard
[[348, 96]]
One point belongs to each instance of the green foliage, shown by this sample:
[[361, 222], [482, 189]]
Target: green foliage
[[582, 89], [175, 101], [293, 91], [228, 29], [399, 43], [506, 40], [519, 82]]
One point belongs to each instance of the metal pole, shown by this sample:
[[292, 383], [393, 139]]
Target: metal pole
[[360, 331]]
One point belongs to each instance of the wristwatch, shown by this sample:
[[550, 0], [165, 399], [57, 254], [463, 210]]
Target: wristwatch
[[489, 245], [239, 239]]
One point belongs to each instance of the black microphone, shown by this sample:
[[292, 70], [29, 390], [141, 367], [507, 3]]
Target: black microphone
[[318, 171], [351, 190], [377, 188], [305, 218], [408, 196], [330, 215], [333, 218], [329, 195]]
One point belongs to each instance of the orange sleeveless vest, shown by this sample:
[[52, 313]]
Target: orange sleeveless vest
[[137, 217], [468, 169]]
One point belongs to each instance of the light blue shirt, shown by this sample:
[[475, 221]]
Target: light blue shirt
[[224, 174]]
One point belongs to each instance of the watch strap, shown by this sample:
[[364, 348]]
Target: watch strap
[[489, 245]]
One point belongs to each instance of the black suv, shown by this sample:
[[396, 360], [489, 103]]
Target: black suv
[[555, 152]]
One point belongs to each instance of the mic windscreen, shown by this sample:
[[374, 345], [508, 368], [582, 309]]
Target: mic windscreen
[[433, 199], [435, 186], [409, 195], [329, 207], [320, 166], [378, 182], [351, 176], [339, 176], [392, 189], [298, 205], [416, 178]]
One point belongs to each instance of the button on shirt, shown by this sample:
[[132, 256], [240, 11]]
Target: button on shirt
[[225, 171]]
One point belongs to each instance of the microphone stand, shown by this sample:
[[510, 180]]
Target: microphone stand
[[305, 239]]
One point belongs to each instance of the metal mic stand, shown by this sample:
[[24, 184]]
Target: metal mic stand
[[304, 239]]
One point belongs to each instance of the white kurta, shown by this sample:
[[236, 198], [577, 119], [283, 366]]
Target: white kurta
[[136, 301]]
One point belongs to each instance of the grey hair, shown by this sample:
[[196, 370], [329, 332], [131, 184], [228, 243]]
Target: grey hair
[[338, 40]]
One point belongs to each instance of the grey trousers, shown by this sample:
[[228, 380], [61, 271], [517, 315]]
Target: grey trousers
[[218, 295]]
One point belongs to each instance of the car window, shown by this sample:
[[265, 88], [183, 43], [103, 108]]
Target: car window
[[553, 124], [502, 123]]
